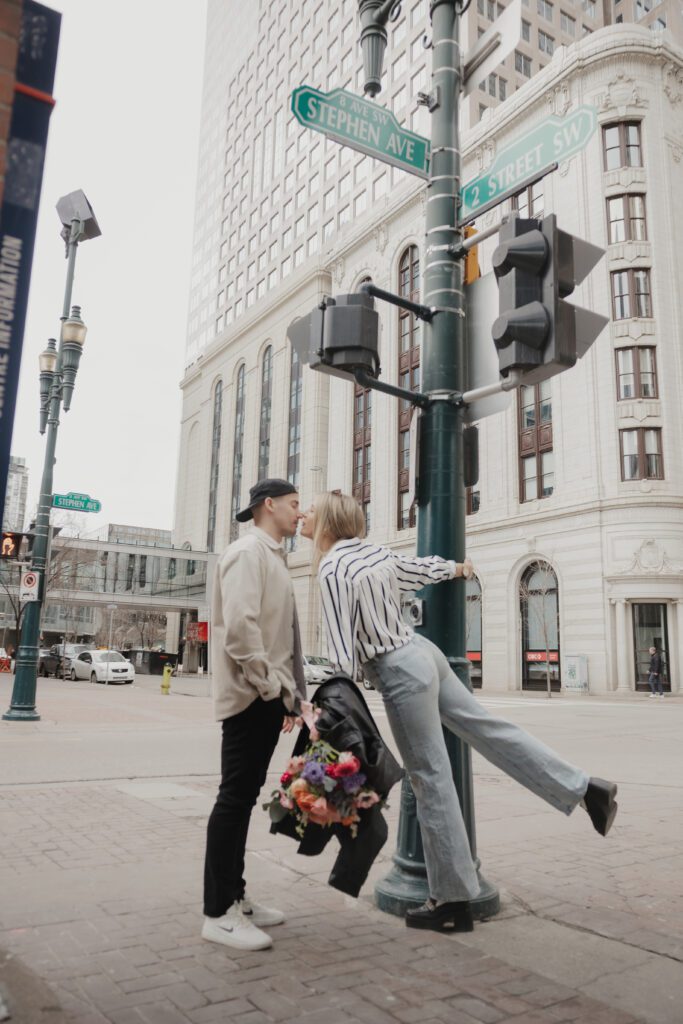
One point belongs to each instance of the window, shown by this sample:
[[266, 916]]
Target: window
[[294, 438], [590, 8], [545, 9], [409, 375], [529, 202], [546, 43], [362, 449], [526, 31], [641, 454], [523, 64], [626, 219], [540, 628], [536, 462], [636, 372], [621, 145], [631, 294], [502, 89], [568, 24], [215, 465], [238, 453], [473, 500], [266, 406]]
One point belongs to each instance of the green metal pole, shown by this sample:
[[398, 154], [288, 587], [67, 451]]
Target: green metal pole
[[23, 703], [441, 519]]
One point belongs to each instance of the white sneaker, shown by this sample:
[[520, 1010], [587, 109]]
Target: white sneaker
[[236, 930], [652, 696], [262, 917]]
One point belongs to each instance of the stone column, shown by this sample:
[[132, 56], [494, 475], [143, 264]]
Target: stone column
[[677, 670], [623, 680]]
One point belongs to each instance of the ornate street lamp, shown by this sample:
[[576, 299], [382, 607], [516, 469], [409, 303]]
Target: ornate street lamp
[[58, 369], [374, 15]]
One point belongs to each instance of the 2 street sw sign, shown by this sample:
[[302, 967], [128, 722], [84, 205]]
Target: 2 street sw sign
[[364, 126], [76, 502], [551, 142]]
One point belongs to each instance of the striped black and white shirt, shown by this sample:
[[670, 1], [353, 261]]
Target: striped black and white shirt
[[360, 586]]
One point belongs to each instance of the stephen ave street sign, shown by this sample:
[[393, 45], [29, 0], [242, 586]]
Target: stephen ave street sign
[[364, 126], [76, 502], [548, 143]]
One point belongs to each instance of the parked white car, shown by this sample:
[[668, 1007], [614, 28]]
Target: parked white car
[[317, 669], [102, 667]]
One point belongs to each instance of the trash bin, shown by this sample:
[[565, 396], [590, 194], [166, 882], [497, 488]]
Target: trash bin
[[575, 673]]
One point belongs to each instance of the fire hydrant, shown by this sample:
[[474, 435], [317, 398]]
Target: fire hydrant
[[166, 679]]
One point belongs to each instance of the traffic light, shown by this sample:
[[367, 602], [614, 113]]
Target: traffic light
[[11, 543], [537, 266], [339, 336]]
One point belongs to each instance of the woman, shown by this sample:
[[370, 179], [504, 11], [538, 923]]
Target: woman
[[360, 585]]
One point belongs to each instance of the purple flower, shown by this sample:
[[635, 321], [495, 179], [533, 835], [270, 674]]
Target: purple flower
[[314, 772], [352, 783]]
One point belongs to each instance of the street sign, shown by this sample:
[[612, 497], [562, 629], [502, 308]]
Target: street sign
[[76, 502], [551, 142], [481, 298], [362, 125], [28, 590], [493, 47]]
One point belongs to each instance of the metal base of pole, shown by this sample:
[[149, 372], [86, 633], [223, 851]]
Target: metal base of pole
[[404, 888], [21, 715]]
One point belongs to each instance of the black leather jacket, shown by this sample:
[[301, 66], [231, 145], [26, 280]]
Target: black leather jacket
[[346, 724]]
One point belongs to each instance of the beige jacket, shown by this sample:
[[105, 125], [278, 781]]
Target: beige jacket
[[252, 634]]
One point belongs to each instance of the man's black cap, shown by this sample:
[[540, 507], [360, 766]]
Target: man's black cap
[[261, 490]]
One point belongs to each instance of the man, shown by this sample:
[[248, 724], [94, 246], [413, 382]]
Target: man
[[655, 677], [258, 681]]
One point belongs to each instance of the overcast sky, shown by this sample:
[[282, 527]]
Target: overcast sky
[[125, 130]]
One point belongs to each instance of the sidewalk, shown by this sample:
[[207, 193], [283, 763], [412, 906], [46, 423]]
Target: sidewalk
[[101, 884]]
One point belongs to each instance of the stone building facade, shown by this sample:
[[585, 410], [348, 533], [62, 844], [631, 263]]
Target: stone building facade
[[576, 525]]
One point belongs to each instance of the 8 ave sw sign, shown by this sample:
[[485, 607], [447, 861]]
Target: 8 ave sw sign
[[551, 142], [362, 125], [76, 502]]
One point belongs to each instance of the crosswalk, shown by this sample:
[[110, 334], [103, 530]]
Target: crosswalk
[[556, 703]]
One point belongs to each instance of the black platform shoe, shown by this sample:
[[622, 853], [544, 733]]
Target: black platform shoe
[[444, 917], [600, 803]]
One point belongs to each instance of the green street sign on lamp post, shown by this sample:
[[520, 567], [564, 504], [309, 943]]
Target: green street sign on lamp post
[[76, 502], [362, 125], [549, 143]]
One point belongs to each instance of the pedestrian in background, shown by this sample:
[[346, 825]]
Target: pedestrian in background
[[655, 673], [258, 683]]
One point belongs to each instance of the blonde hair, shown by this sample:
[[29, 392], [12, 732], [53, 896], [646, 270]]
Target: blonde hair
[[337, 517]]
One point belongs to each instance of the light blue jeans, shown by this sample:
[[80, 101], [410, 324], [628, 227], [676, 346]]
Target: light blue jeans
[[420, 692]]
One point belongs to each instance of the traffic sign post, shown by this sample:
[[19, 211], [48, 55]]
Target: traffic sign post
[[362, 125], [76, 502], [549, 143], [30, 584]]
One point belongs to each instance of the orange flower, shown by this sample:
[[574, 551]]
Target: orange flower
[[298, 788]]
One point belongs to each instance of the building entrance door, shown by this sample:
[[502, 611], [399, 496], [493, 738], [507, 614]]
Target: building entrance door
[[650, 629]]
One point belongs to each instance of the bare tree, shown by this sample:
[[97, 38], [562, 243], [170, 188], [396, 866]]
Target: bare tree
[[537, 585]]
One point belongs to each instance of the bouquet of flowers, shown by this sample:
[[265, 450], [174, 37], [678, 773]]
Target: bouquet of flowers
[[322, 786]]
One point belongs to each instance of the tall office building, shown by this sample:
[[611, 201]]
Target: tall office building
[[575, 526], [14, 517]]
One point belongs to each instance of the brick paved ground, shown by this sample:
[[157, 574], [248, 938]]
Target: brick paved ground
[[101, 895]]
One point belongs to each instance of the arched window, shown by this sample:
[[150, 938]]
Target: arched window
[[237, 457], [362, 445], [294, 441], [540, 628], [408, 376], [266, 406], [473, 627], [215, 465]]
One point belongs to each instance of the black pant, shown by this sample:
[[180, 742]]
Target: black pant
[[249, 740]]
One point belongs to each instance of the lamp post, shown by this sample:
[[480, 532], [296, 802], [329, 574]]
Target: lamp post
[[58, 368], [112, 608], [441, 519]]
